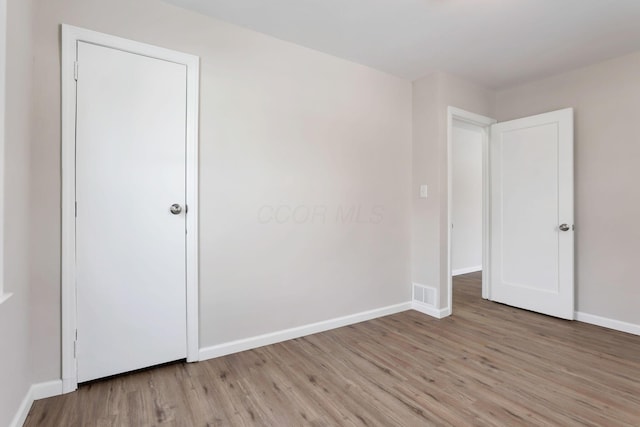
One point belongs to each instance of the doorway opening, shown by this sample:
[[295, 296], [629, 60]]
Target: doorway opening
[[468, 198], [466, 203]]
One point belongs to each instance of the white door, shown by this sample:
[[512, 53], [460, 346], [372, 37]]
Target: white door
[[130, 253], [532, 213]]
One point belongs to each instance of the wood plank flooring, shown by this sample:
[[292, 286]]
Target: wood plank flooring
[[487, 365]]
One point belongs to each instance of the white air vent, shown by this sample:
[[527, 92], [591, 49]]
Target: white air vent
[[425, 294]]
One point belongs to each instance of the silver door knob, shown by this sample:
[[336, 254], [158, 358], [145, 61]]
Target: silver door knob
[[564, 227], [175, 209]]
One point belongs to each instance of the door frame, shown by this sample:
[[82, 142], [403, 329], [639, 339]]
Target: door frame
[[484, 123], [70, 37]]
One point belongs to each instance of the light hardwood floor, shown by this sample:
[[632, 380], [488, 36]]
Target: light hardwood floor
[[488, 364]]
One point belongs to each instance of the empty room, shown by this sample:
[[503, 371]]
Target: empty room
[[319, 213]]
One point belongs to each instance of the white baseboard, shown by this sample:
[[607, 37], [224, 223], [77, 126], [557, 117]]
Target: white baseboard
[[23, 411], [35, 392], [430, 310], [4, 297], [466, 270], [47, 389], [300, 331], [605, 322]]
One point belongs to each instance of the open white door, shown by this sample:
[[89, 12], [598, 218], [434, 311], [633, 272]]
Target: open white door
[[532, 248]]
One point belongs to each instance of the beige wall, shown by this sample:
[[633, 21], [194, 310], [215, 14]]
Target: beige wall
[[431, 97], [606, 98], [15, 377], [282, 127]]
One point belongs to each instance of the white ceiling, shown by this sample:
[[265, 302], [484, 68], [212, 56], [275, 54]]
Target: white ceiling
[[494, 42]]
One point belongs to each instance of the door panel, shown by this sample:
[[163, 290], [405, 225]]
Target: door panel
[[130, 167], [531, 195]]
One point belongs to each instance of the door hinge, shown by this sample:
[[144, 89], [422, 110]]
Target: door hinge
[[75, 71], [75, 345], [76, 208]]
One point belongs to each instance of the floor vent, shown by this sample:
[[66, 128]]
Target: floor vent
[[424, 294]]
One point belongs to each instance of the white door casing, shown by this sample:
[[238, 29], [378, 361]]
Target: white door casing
[[132, 262], [531, 257]]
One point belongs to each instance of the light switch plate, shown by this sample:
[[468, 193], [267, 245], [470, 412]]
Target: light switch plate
[[423, 191]]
